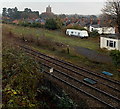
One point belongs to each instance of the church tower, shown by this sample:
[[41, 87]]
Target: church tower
[[48, 9]]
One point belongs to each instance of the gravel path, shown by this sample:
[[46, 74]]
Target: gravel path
[[93, 55]]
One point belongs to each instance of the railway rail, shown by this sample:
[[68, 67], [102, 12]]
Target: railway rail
[[86, 93], [62, 63], [110, 100]]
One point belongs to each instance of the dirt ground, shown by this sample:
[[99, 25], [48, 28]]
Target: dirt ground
[[93, 55]]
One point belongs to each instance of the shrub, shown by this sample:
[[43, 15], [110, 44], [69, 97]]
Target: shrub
[[51, 24], [115, 54], [20, 79], [94, 33]]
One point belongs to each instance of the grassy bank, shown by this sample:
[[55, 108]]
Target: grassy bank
[[57, 36], [54, 43]]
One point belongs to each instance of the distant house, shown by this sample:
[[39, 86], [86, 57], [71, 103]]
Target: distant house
[[30, 21], [108, 30], [15, 21], [102, 30], [95, 28], [110, 42], [42, 21]]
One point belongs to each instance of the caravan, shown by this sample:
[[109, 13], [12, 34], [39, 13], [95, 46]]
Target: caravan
[[78, 33]]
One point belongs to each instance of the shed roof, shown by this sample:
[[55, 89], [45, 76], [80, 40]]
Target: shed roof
[[112, 36]]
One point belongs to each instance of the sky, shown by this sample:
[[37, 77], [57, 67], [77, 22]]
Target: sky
[[82, 7]]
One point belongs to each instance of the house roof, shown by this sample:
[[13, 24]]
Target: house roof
[[96, 26], [112, 36], [100, 26]]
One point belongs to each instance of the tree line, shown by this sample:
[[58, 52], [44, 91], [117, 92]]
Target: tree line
[[13, 13]]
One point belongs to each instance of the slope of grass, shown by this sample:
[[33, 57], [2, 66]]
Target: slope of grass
[[47, 44], [54, 35]]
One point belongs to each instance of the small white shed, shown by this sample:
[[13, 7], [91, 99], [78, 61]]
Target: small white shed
[[110, 42]]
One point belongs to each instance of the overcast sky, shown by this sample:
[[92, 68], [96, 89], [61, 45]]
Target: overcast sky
[[93, 7]]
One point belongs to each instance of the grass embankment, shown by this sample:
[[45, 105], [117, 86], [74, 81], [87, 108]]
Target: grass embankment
[[56, 36], [55, 43]]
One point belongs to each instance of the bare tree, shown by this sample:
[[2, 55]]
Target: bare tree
[[112, 8]]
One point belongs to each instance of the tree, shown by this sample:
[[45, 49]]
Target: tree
[[59, 22], [106, 20], [16, 14], [15, 9], [10, 12], [112, 9], [4, 13], [51, 24], [27, 10]]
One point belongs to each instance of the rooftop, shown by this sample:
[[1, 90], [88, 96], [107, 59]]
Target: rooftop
[[96, 26], [112, 36]]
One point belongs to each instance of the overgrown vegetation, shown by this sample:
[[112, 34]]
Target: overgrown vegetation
[[115, 54], [26, 24], [20, 79], [94, 33], [23, 85], [52, 24]]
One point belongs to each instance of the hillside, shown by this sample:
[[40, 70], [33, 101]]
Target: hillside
[[57, 44]]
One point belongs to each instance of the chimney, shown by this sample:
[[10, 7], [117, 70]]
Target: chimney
[[98, 21]]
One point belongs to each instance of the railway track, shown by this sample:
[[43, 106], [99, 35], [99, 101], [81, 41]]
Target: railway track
[[83, 90], [79, 70], [92, 91]]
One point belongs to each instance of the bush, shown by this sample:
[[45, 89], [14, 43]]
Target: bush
[[35, 25], [51, 24], [20, 79], [27, 24], [94, 33], [115, 54]]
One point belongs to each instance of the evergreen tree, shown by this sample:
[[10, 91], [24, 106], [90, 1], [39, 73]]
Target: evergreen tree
[[4, 13], [51, 24]]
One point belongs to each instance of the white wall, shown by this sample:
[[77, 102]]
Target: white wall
[[103, 43], [119, 45]]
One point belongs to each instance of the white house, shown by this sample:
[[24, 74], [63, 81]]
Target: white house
[[108, 30], [110, 42], [78, 33], [95, 27], [102, 30]]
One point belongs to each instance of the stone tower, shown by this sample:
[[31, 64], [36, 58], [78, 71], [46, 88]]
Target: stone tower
[[48, 9]]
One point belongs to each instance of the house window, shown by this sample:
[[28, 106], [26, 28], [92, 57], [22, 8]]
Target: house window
[[72, 32], [114, 44], [92, 29], [111, 43], [107, 43]]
